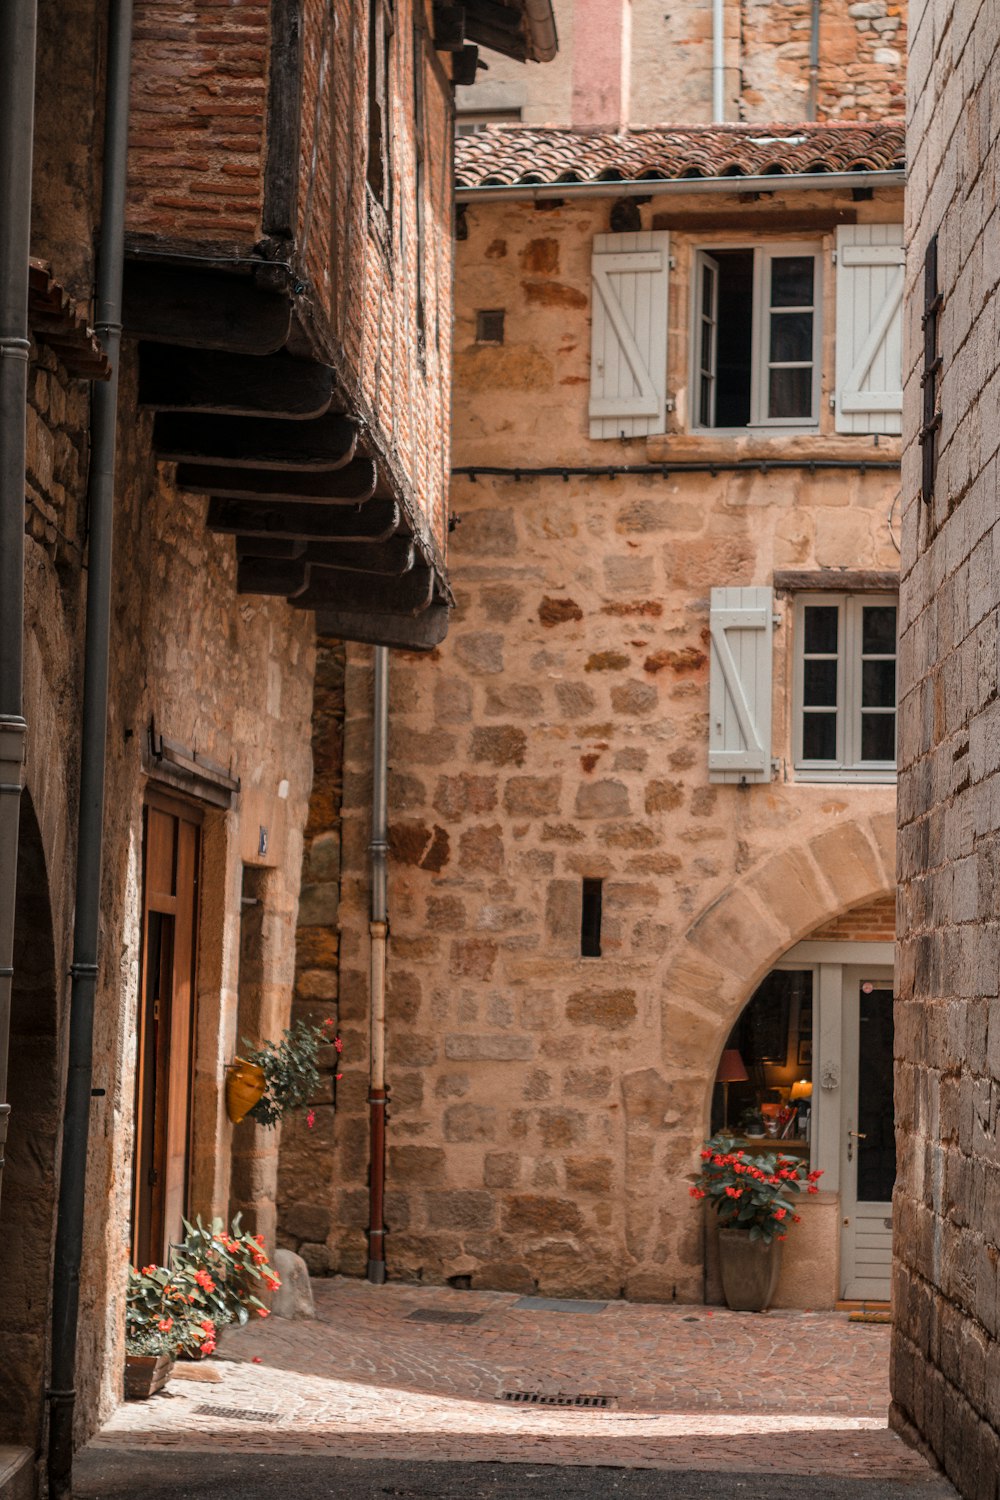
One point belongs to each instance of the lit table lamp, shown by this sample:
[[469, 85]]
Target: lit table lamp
[[731, 1070], [801, 1096]]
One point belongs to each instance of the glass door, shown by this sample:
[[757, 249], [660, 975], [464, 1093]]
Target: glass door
[[868, 1147]]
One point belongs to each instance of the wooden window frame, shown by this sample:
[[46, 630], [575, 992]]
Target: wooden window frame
[[848, 765]]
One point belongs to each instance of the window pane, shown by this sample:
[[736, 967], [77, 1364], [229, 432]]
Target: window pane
[[821, 628], [706, 344], [791, 336], [705, 402], [819, 736], [878, 630], [707, 297], [878, 684], [878, 737], [792, 281], [819, 689], [790, 393]]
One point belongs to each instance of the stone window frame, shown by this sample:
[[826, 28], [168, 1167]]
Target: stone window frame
[[848, 707], [764, 250]]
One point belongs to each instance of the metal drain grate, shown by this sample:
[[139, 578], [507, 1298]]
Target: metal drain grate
[[442, 1315], [543, 1398], [557, 1304], [236, 1413]]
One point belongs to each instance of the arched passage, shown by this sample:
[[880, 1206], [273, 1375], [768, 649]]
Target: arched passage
[[27, 1207]]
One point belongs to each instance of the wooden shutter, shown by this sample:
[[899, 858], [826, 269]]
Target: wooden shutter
[[739, 701], [870, 328], [628, 363]]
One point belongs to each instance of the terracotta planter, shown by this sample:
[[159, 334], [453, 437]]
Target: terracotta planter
[[245, 1085], [145, 1374], [749, 1270]]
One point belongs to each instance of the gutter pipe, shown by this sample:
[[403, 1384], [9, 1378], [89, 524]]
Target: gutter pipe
[[18, 29], [542, 30], [86, 932], [718, 63], [378, 929], [657, 187], [666, 469], [812, 105]]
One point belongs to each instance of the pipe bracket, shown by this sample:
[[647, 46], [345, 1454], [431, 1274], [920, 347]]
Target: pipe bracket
[[15, 349]]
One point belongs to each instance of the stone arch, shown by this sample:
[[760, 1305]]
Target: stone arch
[[28, 1205], [736, 940]]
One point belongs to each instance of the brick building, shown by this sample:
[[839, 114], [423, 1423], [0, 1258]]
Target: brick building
[[282, 454], [641, 811], [946, 1342]]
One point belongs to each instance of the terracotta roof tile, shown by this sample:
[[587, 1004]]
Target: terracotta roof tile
[[502, 155]]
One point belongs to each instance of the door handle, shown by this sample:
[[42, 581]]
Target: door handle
[[859, 1135], [852, 1136]]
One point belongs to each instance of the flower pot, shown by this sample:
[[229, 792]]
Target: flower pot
[[145, 1374], [245, 1085], [749, 1270]]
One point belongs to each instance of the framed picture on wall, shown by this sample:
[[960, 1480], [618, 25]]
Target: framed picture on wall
[[805, 1055]]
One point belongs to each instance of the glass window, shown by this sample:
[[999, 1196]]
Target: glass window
[[845, 708]]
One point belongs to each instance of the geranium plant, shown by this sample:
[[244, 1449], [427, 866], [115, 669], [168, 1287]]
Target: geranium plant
[[756, 1193], [291, 1069], [212, 1279]]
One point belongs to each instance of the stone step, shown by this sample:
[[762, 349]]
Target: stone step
[[17, 1473]]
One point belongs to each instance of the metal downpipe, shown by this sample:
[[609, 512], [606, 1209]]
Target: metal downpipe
[[379, 932], [718, 62], [812, 105], [18, 29], [86, 931]]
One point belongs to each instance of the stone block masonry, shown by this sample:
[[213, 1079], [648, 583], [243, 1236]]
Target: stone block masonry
[[946, 1344]]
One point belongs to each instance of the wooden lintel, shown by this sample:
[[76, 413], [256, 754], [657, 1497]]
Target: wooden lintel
[[405, 632], [351, 484], [203, 309], [836, 580], [331, 588], [317, 443], [804, 219], [376, 521], [173, 378]]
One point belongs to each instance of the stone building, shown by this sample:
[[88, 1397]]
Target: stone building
[[644, 63], [283, 448], [641, 811], [946, 1341]]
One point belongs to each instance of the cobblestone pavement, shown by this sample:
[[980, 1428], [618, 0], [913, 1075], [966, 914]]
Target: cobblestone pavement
[[378, 1377]]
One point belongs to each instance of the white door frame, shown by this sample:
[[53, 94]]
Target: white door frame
[[866, 1232]]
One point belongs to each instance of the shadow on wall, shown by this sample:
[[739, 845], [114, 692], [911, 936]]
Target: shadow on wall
[[28, 1202]]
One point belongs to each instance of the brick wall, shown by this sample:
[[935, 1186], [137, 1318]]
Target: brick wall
[[946, 1344], [875, 922]]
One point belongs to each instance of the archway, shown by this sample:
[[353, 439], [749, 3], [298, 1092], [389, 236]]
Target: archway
[[27, 1208]]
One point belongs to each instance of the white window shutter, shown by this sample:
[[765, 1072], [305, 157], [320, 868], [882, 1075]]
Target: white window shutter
[[628, 360], [739, 693], [870, 328]]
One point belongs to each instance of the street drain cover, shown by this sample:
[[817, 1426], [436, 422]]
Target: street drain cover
[[442, 1315], [236, 1413], [544, 1398], [557, 1304]]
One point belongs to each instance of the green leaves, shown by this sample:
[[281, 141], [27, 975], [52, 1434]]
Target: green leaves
[[751, 1192], [290, 1068]]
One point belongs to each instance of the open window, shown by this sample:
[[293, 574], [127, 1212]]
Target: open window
[[379, 99], [845, 687], [757, 337]]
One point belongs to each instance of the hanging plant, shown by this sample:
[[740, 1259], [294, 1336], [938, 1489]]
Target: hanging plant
[[290, 1069]]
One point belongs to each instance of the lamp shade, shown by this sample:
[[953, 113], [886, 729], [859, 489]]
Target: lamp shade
[[801, 1089], [731, 1069]]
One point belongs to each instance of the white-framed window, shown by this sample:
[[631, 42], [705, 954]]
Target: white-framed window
[[845, 687], [756, 322]]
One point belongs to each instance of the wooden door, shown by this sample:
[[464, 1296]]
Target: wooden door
[[868, 1146], [166, 1028]]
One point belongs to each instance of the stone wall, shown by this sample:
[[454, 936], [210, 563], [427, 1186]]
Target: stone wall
[[946, 1344], [862, 53], [545, 1107]]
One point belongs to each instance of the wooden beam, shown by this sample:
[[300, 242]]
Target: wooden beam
[[389, 559], [173, 378], [256, 442], [375, 522], [330, 588], [404, 632], [203, 309], [352, 484], [275, 576], [284, 122]]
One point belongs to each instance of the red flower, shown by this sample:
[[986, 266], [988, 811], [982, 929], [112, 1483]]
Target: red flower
[[779, 1213], [706, 1156], [338, 1044], [256, 1360], [208, 1347], [311, 1118], [812, 1188], [148, 1270], [262, 1312], [207, 1326], [696, 1192], [165, 1325], [204, 1281], [796, 1218], [781, 1237]]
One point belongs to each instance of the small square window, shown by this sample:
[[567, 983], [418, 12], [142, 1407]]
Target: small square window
[[757, 337], [489, 325], [845, 687]]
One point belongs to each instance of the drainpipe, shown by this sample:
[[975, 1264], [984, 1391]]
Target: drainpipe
[[812, 107], [18, 24], [718, 62], [379, 931], [86, 932]]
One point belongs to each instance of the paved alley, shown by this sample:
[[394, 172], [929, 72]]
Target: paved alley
[[423, 1391]]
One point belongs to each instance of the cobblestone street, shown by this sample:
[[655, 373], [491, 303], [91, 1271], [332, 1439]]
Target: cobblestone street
[[422, 1375]]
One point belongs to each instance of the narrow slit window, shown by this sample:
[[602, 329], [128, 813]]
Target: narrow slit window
[[489, 325], [590, 923]]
